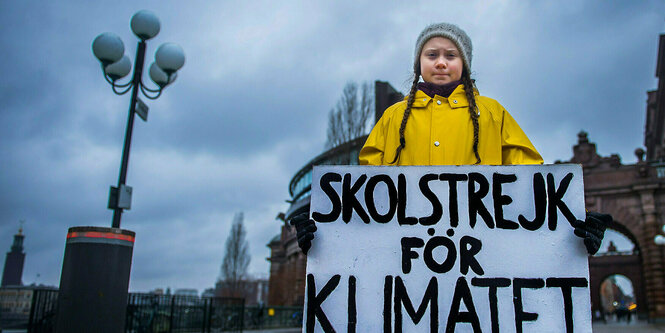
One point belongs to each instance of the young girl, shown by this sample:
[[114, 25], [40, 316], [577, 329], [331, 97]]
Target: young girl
[[444, 121]]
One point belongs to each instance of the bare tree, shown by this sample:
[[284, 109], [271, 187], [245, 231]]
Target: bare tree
[[236, 259], [348, 119]]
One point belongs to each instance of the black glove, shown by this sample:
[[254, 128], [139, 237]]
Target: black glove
[[592, 230], [305, 229]]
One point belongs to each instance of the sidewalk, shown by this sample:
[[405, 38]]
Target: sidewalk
[[610, 327], [634, 326], [275, 330]]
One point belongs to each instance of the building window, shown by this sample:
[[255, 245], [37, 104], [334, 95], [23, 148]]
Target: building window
[[661, 171]]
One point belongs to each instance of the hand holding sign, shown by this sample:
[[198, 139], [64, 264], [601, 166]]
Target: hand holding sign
[[305, 229], [592, 230]]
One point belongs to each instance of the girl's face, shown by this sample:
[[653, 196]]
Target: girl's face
[[440, 61]]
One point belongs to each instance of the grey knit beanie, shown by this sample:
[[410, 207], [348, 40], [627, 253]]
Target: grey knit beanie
[[450, 31]]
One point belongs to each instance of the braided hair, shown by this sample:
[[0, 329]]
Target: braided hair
[[469, 86], [473, 110], [407, 111]]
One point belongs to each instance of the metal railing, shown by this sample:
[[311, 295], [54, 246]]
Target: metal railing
[[153, 313], [166, 313], [182, 314], [260, 317]]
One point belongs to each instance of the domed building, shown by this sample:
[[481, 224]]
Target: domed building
[[287, 262]]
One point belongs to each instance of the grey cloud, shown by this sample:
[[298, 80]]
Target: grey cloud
[[250, 108]]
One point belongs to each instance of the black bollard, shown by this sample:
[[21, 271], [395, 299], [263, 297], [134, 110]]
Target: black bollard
[[95, 280]]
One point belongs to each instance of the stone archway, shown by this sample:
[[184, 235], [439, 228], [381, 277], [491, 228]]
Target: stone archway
[[617, 297], [624, 262]]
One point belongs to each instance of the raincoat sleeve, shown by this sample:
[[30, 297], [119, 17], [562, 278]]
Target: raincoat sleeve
[[516, 148], [372, 151]]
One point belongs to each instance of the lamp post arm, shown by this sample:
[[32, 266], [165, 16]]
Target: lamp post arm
[[146, 92], [115, 85], [145, 88], [136, 82], [118, 92]]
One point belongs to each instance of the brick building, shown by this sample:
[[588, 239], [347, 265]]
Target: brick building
[[634, 195], [253, 290]]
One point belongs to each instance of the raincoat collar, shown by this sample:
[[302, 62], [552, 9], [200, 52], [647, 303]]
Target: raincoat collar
[[457, 98]]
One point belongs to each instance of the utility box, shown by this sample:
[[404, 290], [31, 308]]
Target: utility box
[[120, 198]]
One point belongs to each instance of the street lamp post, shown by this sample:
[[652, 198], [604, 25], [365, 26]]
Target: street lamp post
[[169, 58], [95, 273]]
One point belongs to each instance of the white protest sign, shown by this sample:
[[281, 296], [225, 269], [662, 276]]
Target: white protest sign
[[447, 249]]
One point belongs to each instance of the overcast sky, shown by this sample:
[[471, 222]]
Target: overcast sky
[[249, 108]]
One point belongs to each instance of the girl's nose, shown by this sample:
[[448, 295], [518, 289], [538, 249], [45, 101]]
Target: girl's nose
[[440, 63]]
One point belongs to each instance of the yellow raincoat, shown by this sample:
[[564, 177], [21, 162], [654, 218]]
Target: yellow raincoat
[[440, 132]]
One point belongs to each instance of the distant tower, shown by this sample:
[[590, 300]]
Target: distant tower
[[13, 271]]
